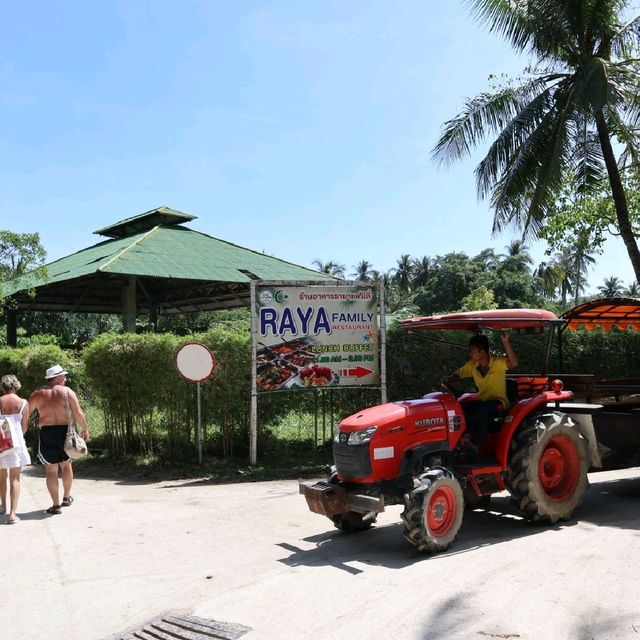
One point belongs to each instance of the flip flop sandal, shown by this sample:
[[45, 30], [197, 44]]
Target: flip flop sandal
[[54, 510], [12, 520], [67, 502]]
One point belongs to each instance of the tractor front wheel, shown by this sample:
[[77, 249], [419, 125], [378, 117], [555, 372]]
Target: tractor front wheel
[[352, 522], [548, 468], [433, 511]]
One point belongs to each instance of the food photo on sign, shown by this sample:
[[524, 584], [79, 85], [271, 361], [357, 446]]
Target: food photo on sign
[[311, 337], [289, 365]]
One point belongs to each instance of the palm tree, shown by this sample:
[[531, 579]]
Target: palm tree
[[611, 288], [422, 268], [517, 248], [551, 276], [633, 290], [560, 119], [487, 260], [331, 268], [403, 273], [363, 271]]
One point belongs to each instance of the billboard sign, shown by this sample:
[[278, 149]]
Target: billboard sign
[[316, 336]]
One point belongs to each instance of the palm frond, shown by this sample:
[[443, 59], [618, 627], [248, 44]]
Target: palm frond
[[586, 160], [509, 141], [485, 114], [556, 28], [526, 189], [508, 17], [626, 40], [629, 137]]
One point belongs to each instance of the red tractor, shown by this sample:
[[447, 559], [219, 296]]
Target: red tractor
[[409, 452]]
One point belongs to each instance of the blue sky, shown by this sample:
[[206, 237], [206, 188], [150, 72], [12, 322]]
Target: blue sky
[[301, 129]]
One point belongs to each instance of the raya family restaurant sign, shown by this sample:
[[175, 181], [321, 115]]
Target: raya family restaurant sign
[[316, 336]]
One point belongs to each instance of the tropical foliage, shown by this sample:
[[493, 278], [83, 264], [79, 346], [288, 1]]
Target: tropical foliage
[[563, 119]]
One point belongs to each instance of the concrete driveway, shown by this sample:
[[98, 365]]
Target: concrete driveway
[[252, 554]]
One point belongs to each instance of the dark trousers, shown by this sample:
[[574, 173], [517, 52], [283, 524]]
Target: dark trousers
[[480, 414]]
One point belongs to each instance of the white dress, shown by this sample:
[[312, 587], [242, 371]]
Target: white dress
[[19, 455]]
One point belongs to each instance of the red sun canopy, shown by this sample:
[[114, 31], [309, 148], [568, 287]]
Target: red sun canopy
[[490, 319]]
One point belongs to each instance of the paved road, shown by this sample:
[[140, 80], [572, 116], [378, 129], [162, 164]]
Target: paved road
[[252, 554]]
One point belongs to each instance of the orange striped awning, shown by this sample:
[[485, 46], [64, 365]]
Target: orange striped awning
[[606, 313]]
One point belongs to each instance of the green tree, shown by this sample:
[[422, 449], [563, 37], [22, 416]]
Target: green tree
[[421, 271], [612, 287], [633, 290], [561, 117], [363, 271], [453, 277], [480, 298], [550, 276], [331, 268], [403, 273], [19, 253]]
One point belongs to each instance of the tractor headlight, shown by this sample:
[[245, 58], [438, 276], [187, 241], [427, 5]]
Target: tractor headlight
[[361, 437]]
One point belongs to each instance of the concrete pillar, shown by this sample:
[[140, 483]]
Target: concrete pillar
[[129, 308]]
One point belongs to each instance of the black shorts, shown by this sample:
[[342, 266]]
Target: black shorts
[[51, 446]]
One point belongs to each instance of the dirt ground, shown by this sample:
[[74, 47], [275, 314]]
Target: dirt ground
[[252, 554]]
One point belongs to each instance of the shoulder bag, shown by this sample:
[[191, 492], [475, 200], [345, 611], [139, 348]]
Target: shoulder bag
[[6, 439], [74, 445]]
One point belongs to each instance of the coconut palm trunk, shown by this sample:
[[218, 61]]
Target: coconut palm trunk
[[618, 194]]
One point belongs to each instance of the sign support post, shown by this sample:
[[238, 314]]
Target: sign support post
[[199, 424], [196, 363], [253, 426]]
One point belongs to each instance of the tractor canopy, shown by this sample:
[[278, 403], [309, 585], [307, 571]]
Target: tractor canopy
[[606, 313], [496, 319]]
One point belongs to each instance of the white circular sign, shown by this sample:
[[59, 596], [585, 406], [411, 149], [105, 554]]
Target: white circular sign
[[195, 362]]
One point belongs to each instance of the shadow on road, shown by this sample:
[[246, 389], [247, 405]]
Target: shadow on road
[[610, 503], [36, 514]]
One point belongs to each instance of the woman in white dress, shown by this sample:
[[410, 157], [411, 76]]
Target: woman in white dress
[[15, 410]]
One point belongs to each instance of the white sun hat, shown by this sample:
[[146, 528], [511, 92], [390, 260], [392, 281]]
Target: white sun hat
[[54, 372]]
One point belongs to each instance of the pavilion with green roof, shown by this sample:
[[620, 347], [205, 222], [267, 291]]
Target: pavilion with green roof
[[151, 264]]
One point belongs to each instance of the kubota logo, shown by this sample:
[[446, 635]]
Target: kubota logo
[[430, 422]]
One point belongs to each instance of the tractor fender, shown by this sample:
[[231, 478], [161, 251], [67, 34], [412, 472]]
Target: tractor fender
[[582, 416], [544, 402], [410, 456]]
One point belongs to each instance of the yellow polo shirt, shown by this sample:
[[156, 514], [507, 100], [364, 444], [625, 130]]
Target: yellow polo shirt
[[493, 385]]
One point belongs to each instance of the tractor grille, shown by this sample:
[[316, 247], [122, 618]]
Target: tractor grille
[[352, 460]]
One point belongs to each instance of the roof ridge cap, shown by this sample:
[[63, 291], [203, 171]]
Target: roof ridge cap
[[127, 248]]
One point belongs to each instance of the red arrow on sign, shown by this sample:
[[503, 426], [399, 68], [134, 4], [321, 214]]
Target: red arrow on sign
[[358, 372]]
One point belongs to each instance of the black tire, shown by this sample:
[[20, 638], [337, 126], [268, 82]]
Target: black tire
[[433, 511], [548, 466], [352, 522]]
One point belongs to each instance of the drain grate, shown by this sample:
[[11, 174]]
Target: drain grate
[[170, 627]]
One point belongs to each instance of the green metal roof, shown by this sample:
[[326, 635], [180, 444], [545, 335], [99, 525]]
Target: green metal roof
[[178, 269]]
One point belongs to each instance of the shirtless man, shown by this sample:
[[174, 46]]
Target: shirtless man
[[53, 422]]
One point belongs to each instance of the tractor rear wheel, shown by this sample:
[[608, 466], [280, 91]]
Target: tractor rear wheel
[[433, 511], [548, 468], [352, 522]]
